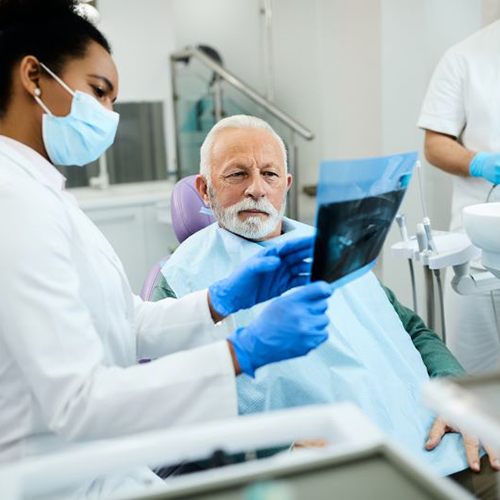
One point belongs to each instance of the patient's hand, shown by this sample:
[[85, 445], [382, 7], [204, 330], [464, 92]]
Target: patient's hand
[[440, 428]]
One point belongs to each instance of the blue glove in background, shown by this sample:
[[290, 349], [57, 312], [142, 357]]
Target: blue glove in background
[[264, 276], [486, 165], [290, 326]]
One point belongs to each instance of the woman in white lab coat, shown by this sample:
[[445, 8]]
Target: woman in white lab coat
[[71, 331]]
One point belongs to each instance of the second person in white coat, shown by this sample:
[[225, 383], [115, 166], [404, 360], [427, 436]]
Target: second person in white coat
[[460, 115]]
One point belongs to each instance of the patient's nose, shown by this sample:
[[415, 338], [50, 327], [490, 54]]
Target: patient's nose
[[257, 187]]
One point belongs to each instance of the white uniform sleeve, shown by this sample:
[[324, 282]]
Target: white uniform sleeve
[[443, 109], [172, 325], [48, 331]]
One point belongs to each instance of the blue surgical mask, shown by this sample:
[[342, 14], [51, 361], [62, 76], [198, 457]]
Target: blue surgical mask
[[83, 135]]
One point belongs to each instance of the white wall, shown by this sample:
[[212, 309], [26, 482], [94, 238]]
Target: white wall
[[297, 63], [349, 78], [142, 34], [230, 26], [142, 37]]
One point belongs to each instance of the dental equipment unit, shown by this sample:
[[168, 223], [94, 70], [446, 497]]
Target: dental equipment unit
[[437, 250]]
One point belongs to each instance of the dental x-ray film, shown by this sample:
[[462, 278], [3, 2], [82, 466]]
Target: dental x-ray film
[[357, 201]]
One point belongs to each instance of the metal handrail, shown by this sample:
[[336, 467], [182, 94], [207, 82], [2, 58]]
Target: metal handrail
[[238, 84]]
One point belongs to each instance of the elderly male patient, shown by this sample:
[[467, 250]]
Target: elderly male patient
[[379, 353]]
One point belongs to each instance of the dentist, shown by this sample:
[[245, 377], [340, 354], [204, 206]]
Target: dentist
[[71, 330]]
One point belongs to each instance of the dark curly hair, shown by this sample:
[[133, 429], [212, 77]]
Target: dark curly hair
[[50, 30]]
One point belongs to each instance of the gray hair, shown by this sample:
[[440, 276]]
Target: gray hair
[[235, 121]]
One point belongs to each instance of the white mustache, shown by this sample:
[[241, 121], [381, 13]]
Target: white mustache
[[262, 205], [253, 227]]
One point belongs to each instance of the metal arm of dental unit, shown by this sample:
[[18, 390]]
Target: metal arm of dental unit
[[466, 283], [458, 250]]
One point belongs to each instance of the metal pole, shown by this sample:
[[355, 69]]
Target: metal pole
[[413, 286], [267, 11], [245, 89], [401, 222], [217, 96], [175, 97], [437, 274], [429, 294]]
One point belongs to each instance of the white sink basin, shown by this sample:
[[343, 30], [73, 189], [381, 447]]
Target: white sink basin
[[482, 224]]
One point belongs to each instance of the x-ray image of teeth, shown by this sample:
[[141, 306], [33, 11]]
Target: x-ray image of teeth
[[350, 234], [357, 201]]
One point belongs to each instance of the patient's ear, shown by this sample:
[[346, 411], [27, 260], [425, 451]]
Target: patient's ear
[[202, 188]]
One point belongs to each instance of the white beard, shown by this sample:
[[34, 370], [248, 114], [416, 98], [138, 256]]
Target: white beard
[[252, 228]]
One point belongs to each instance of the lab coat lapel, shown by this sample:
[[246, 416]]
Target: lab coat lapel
[[25, 164], [101, 243]]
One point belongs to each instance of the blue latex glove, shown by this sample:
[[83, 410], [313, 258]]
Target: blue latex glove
[[290, 326], [486, 165], [264, 276]]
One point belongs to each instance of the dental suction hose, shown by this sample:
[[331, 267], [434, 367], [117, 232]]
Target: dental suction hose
[[423, 246], [437, 275], [427, 246], [401, 222], [430, 246]]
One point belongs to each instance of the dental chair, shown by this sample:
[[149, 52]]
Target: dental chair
[[189, 215]]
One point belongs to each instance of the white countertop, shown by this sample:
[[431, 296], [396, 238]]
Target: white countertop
[[137, 193]]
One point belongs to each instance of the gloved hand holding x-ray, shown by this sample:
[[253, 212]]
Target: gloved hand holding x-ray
[[357, 202], [266, 275], [290, 326]]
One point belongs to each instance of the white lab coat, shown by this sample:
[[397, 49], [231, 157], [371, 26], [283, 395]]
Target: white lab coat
[[71, 331], [463, 100]]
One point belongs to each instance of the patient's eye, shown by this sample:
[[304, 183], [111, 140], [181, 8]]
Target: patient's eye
[[235, 176], [270, 175]]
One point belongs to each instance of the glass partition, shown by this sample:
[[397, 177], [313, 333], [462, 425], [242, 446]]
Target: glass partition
[[196, 103]]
